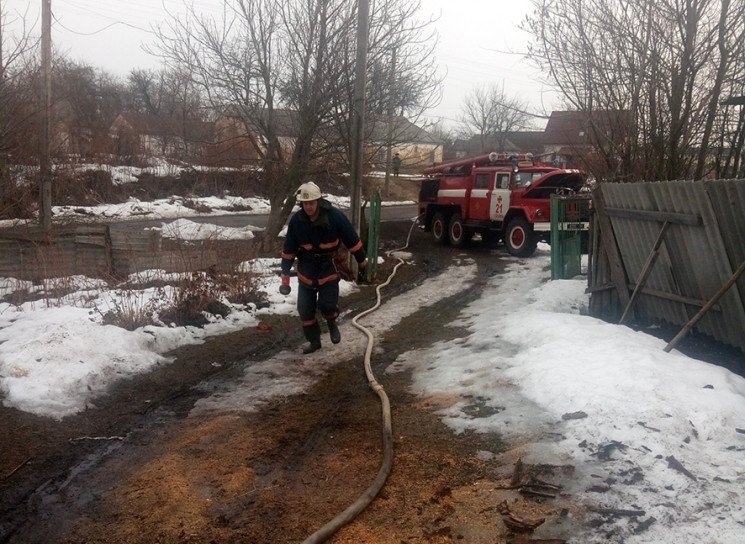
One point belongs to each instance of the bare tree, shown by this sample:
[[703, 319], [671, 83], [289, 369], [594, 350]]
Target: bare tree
[[731, 150], [656, 68], [146, 91], [261, 57], [476, 113], [85, 101], [722, 66], [18, 113], [403, 79], [284, 68], [489, 113], [402, 68]]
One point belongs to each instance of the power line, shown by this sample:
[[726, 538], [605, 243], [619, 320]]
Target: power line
[[128, 10], [115, 23], [119, 12], [114, 11]]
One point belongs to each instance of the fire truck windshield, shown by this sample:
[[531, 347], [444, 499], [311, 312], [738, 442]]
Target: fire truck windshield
[[524, 179]]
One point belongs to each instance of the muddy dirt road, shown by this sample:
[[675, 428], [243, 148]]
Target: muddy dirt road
[[143, 466], [187, 453]]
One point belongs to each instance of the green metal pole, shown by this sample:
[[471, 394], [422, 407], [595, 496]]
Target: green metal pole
[[373, 237]]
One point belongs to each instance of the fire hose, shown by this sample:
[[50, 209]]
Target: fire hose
[[354, 509]]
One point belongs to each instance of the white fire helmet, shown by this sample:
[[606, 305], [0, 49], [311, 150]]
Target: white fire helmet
[[308, 191]]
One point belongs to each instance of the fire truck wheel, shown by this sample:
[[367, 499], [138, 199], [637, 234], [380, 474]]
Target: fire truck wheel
[[519, 239], [457, 233], [439, 228]]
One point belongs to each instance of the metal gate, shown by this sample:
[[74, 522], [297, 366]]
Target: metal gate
[[570, 225]]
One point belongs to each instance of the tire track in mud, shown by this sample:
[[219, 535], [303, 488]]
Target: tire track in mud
[[290, 373], [252, 467]]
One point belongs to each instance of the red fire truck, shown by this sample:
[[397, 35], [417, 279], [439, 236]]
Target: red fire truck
[[501, 196]]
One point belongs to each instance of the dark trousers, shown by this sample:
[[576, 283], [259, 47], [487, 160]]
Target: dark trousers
[[325, 298]]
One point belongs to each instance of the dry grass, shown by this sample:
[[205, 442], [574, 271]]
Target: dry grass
[[153, 297]]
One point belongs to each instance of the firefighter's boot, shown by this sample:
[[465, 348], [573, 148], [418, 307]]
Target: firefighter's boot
[[334, 333], [312, 335]]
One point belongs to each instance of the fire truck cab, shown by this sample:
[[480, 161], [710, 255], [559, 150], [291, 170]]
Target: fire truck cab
[[501, 196]]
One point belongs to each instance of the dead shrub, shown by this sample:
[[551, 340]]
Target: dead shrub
[[240, 288], [194, 297], [198, 183], [131, 310], [198, 207], [18, 201], [83, 187]]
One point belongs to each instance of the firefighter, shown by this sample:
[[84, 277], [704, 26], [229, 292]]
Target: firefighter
[[314, 234]]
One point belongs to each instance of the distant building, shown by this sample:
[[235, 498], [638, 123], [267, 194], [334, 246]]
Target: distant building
[[571, 139], [235, 141], [574, 138], [416, 147], [232, 141], [161, 135], [519, 142]]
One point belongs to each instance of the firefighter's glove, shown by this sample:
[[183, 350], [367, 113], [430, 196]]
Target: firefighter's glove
[[361, 271], [285, 288]]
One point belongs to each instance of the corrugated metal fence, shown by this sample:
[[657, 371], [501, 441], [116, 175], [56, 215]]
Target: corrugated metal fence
[[671, 252]]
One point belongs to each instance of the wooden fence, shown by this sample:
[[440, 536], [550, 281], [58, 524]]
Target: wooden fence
[[30, 253], [105, 251]]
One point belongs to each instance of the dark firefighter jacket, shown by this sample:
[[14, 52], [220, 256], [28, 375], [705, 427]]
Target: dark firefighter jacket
[[314, 244]]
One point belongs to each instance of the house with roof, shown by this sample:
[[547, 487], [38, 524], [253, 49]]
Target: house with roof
[[235, 141], [513, 141], [173, 136], [232, 141], [571, 139], [574, 138], [239, 142], [234, 145], [416, 147]]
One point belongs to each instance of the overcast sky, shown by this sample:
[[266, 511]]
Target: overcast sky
[[476, 38]]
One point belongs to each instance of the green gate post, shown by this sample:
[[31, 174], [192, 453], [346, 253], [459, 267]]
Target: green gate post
[[373, 237], [568, 217], [557, 254]]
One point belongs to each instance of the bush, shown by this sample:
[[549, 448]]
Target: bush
[[131, 310]]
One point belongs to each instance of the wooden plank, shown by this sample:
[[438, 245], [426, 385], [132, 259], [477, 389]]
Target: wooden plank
[[617, 271], [65, 249], [712, 301], [91, 240], [692, 220], [593, 248], [599, 288], [676, 298], [646, 270]]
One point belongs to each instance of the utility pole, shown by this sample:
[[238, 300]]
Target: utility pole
[[2, 66], [45, 194], [360, 83], [4, 189], [389, 138]]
